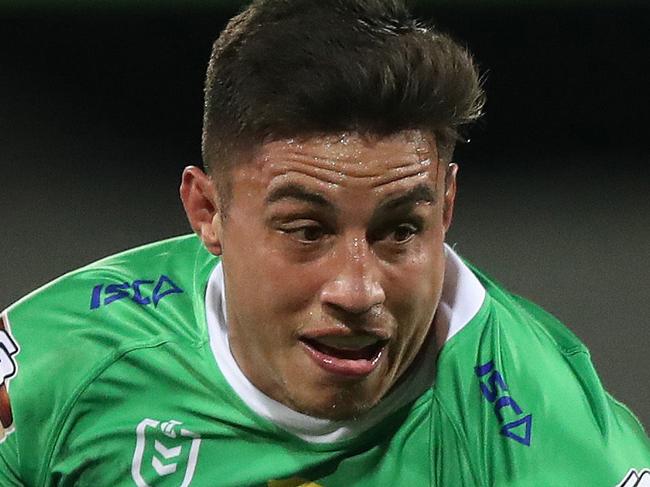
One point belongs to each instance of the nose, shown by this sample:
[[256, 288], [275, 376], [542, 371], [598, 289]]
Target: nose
[[356, 285]]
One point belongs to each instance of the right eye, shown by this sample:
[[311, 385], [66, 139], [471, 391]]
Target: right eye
[[305, 233]]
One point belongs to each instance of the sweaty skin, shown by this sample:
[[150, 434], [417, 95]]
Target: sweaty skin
[[333, 259]]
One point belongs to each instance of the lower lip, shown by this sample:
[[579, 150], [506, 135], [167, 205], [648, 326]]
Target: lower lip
[[343, 367]]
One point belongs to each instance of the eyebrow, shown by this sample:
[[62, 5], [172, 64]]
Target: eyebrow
[[297, 192], [422, 193]]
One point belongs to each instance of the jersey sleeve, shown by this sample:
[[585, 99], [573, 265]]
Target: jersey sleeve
[[9, 463], [523, 392], [57, 341], [552, 421], [44, 364]]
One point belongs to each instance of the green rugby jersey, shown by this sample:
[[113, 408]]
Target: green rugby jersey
[[110, 378]]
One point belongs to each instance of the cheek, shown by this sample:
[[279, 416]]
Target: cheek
[[414, 290], [264, 281], [295, 287], [268, 287]]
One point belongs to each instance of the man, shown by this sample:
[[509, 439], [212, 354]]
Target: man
[[316, 330]]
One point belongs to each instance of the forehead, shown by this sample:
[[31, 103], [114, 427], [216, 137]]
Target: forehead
[[343, 160]]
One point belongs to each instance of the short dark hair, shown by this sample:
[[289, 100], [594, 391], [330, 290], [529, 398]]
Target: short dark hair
[[287, 68]]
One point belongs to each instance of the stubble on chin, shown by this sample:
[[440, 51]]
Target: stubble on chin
[[348, 402]]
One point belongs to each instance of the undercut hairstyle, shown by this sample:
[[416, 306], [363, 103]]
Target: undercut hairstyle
[[294, 68]]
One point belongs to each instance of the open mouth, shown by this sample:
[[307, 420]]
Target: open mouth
[[346, 355]]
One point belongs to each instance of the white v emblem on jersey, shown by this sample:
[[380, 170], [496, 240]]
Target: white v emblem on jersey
[[634, 478], [163, 449]]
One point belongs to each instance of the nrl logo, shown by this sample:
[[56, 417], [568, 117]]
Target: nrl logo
[[164, 450], [636, 478]]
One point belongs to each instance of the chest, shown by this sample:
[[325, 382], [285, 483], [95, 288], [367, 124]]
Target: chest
[[161, 444]]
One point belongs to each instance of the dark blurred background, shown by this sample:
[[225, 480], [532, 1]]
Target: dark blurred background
[[100, 109]]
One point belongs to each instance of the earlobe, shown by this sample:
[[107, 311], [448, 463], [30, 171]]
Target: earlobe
[[200, 200], [450, 195]]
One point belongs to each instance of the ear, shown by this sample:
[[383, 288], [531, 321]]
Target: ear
[[450, 195], [201, 202]]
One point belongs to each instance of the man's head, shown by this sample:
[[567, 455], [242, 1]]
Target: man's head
[[284, 68], [328, 133]]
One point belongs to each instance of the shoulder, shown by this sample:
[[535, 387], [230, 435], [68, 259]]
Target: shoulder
[[530, 389], [56, 339], [148, 285], [158, 276]]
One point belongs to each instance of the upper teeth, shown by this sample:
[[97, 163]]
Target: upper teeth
[[348, 342]]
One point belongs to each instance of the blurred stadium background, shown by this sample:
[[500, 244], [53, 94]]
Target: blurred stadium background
[[100, 109]]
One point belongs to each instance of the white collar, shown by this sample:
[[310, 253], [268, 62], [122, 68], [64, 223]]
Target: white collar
[[462, 297]]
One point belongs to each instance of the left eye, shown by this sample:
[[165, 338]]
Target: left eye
[[403, 233]]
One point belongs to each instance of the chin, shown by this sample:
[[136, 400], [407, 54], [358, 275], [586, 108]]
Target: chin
[[335, 413], [343, 405]]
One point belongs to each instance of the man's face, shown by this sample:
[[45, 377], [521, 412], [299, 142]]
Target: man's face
[[333, 260]]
